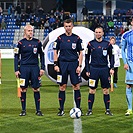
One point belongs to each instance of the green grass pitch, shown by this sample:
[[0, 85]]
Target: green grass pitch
[[11, 122]]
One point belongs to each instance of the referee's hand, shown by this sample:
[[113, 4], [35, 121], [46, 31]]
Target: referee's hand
[[41, 72], [56, 68], [87, 74], [17, 73], [111, 72]]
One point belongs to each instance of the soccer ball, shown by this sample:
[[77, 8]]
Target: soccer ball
[[75, 113]]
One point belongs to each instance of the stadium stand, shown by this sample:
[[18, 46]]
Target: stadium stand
[[14, 32], [10, 36]]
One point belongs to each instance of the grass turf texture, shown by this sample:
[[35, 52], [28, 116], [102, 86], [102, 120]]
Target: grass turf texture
[[11, 122]]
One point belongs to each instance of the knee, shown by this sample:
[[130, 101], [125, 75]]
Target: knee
[[105, 91], [92, 91], [23, 90], [35, 90], [76, 87], [129, 89], [62, 87], [128, 86]]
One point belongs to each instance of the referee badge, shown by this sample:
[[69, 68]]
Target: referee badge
[[34, 50], [59, 78], [92, 82], [104, 52], [16, 50], [54, 45], [73, 45], [22, 82]]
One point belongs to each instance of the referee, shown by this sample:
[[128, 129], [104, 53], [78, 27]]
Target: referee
[[26, 53], [69, 62], [97, 68]]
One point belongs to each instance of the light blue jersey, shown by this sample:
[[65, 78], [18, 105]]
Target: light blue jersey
[[127, 54]]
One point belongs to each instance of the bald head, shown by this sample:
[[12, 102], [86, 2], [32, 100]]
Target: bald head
[[28, 32]]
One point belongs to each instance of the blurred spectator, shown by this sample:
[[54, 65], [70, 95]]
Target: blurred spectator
[[117, 31], [46, 25], [53, 26], [102, 19], [66, 15], [129, 12], [18, 11], [18, 22], [28, 11], [11, 11], [3, 24], [129, 21], [119, 17], [56, 13], [84, 12], [51, 19], [51, 12], [23, 17], [110, 24], [58, 22], [62, 14], [1, 11], [40, 12], [37, 23], [90, 23], [121, 31], [42, 22], [32, 22], [103, 22], [95, 23]]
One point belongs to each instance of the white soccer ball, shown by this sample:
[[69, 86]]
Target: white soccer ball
[[75, 113]]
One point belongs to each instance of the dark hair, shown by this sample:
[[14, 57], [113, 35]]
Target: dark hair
[[99, 26], [68, 21]]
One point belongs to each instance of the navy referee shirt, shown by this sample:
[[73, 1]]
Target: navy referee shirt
[[69, 47], [97, 54], [27, 52]]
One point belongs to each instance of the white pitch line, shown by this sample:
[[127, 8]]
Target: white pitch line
[[77, 123]]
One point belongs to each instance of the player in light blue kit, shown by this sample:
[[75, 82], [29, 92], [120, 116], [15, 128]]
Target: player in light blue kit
[[127, 56]]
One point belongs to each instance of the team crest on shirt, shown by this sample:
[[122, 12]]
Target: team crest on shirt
[[73, 45], [104, 52], [34, 50], [92, 82]]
